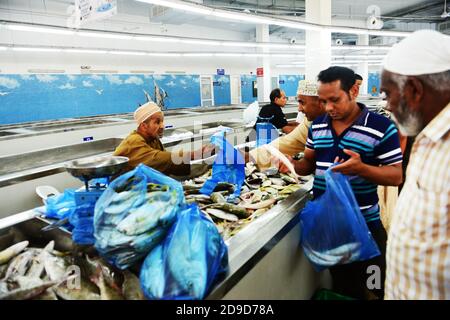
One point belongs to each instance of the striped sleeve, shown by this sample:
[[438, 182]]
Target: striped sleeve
[[388, 150], [309, 140]]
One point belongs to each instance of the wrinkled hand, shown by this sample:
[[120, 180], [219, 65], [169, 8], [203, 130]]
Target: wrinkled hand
[[206, 151], [352, 166]]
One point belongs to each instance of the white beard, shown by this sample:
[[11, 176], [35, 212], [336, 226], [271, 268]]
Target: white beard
[[409, 123]]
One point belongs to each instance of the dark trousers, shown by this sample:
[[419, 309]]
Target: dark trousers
[[351, 279]]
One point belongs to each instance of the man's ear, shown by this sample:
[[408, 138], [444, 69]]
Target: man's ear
[[354, 91], [413, 92]]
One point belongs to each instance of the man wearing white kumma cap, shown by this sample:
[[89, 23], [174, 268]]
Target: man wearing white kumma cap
[[143, 145], [416, 81]]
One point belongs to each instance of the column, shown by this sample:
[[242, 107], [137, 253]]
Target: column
[[262, 35], [318, 43], [363, 67]]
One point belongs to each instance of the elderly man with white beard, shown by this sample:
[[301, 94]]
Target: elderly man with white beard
[[416, 80]]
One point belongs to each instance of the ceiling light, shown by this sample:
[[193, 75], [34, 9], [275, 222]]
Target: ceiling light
[[198, 54], [134, 53], [36, 49], [85, 51], [38, 29], [249, 18], [104, 35], [156, 39]]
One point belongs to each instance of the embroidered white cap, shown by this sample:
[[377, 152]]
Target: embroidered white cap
[[307, 88], [422, 52], [145, 111]]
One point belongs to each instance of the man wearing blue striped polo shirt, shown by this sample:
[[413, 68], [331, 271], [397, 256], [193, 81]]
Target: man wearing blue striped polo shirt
[[367, 146]]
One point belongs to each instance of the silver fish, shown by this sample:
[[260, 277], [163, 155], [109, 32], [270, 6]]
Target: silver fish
[[12, 251], [222, 214]]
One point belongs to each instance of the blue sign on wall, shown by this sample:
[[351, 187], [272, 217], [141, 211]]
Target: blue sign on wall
[[247, 88], [373, 84], [222, 91], [220, 72], [289, 83]]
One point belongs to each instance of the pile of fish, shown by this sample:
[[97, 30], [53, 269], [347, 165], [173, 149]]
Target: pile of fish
[[261, 191], [48, 274], [132, 219]]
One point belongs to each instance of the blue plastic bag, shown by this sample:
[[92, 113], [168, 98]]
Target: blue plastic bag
[[229, 166], [60, 206], [333, 229], [191, 258], [134, 213]]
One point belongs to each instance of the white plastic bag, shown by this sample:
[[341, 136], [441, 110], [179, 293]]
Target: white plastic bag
[[250, 114]]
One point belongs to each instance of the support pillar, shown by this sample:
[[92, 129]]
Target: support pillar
[[318, 43], [264, 82]]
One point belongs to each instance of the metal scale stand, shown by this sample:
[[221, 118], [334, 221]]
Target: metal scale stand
[[86, 170]]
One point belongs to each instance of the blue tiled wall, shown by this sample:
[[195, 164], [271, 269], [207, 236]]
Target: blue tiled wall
[[38, 97]]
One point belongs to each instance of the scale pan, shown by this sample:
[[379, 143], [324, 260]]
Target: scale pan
[[96, 167]]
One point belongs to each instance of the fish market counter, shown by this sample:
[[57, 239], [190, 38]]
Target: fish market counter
[[266, 260]]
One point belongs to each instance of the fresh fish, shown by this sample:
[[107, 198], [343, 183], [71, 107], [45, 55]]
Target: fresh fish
[[185, 258], [48, 294], [87, 291], [147, 217], [258, 205], [24, 288], [12, 251], [217, 197], [37, 265], [222, 214], [153, 275], [287, 178], [231, 208], [131, 287], [343, 254], [20, 264], [277, 154], [290, 189], [278, 181], [266, 183], [119, 207], [106, 292]]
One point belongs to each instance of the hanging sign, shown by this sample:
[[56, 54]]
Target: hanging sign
[[90, 10], [220, 72]]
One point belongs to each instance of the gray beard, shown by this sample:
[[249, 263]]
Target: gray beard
[[409, 123]]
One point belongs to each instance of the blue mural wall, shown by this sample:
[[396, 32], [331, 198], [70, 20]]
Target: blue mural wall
[[247, 88], [289, 83], [39, 97], [373, 84], [222, 90]]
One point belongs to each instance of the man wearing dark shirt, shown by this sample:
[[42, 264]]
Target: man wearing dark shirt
[[272, 112]]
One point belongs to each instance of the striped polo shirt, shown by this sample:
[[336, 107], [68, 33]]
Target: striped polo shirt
[[373, 136]]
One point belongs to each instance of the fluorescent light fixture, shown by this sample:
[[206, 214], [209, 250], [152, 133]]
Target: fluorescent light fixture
[[3, 48], [30, 49], [201, 42], [359, 56], [250, 18], [229, 54], [134, 53], [163, 54], [355, 47], [238, 44], [104, 35], [38, 29], [157, 39], [200, 54], [85, 51]]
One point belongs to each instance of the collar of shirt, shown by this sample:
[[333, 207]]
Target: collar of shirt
[[360, 121], [438, 127]]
